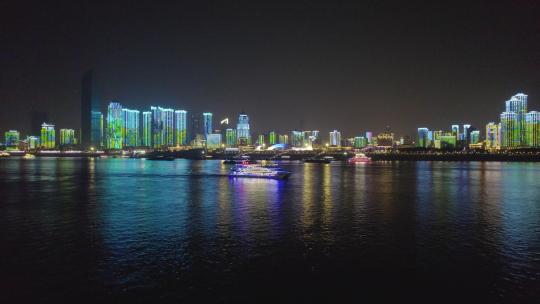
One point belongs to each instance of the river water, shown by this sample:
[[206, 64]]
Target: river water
[[132, 230]]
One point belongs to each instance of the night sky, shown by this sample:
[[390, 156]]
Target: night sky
[[351, 66]]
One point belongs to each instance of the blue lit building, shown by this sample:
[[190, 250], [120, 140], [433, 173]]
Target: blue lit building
[[146, 129], [162, 127], [242, 130], [423, 137], [207, 123]]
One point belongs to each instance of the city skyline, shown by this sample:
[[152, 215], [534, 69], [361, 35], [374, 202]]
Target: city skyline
[[165, 127]]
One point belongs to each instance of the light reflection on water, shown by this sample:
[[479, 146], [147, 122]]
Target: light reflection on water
[[134, 228]]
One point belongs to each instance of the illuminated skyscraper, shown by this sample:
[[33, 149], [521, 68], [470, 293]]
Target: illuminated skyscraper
[[455, 131], [510, 131], [423, 137], [157, 127], [207, 123], [67, 137], [261, 140], [230, 137], [466, 133], [48, 136], [162, 127], [242, 130], [298, 139], [518, 105], [180, 127], [492, 136], [533, 129], [33, 142], [147, 129], [474, 137], [131, 128], [272, 138], [335, 138], [12, 138], [115, 126], [168, 127], [284, 139]]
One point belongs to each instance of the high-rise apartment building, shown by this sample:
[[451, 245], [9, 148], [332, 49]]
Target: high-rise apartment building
[[207, 123], [48, 136], [518, 105], [180, 127], [230, 137], [115, 126], [146, 139], [510, 130], [67, 137], [532, 120], [131, 129]]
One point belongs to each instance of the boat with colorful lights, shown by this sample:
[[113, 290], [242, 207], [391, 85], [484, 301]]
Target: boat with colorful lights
[[258, 171], [359, 158]]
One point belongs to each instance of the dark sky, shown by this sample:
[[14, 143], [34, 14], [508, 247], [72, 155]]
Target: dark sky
[[352, 65]]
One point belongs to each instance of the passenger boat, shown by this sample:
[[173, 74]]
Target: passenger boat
[[258, 171], [318, 160], [237, 161], [29, 156], [161, 157], [359, 158]]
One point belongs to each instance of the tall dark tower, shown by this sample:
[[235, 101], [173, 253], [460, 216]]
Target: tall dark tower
[[91, 117], [38, 118]]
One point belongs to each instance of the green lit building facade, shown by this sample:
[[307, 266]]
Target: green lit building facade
[[360, 142], [510, 130], [272, 138], [115, 126], [130, 128], [48, 136], [67, 137], [12, 138], [230, 137], [532, 120], [180, 127], [261, 140]]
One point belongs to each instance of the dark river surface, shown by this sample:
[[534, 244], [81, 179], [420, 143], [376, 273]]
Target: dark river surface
[[131, 230]]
